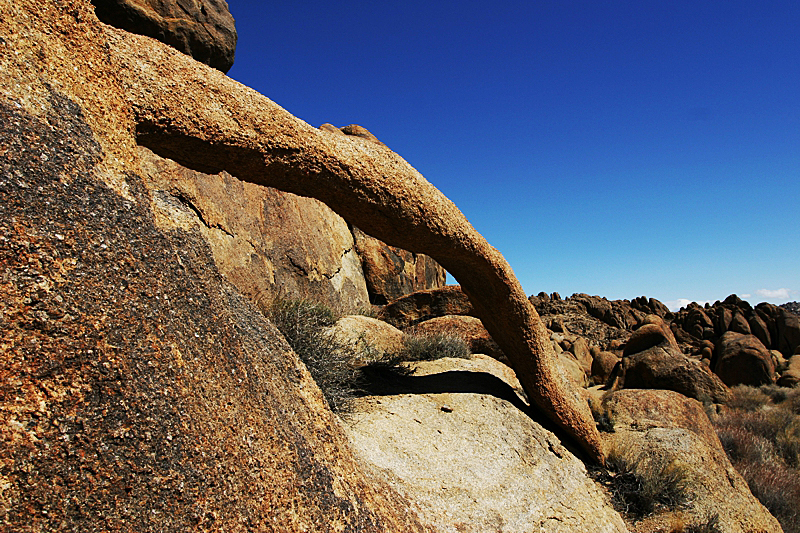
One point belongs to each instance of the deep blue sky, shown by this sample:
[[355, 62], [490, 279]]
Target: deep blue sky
[[607, 147]]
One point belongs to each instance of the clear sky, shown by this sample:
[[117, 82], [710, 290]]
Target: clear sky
[[618, 148]]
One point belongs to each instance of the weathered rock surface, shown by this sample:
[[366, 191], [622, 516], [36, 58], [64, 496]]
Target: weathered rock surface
[[661, 365], [653, 332], [643, 409], [392, 272], [457, 441], [424, 305], [792, 307], [268, 243], [468, 327], [791, 377], [213, 420], [603, 363], [742, 360], [140, 391], [775, 327], [570, 315], [368, 335], [203, 29], [661, 424]]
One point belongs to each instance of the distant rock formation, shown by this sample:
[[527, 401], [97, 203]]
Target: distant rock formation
[[793, 307], [776, 327]]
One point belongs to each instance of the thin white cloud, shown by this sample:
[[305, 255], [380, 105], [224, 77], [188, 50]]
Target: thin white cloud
[[777, 294], [675, 305], [746, 295]]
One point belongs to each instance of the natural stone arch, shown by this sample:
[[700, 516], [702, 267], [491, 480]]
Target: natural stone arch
[[204, 120]]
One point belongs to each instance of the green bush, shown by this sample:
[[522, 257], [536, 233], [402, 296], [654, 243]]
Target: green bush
[[329, 361], [641, 483]]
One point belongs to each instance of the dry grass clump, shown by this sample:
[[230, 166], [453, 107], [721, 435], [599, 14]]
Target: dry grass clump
[[641, 484], [760, 431], [432, 347], [777, 486], [329, 361], [747, 398], [707, 525]]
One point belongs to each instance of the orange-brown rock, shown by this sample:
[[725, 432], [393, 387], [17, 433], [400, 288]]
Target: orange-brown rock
[[392, 272], [580, 350], [139, 391], [652, 360], [225, 126], [268, 243], [603, 362], [420, 306], [359, 131], [468, 327], [653, 332], [742, 360], [369, 336], [203, 29], [155, 397], [652, 408]]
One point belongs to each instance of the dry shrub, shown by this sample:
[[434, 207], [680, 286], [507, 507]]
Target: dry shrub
[[742, 445], [747, 398], [432, 347], [644, 482], [792, 401], [764, 446], [777, 486], [776, 393], [329, 361]]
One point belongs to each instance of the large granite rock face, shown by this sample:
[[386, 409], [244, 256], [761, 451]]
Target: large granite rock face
[[668, 426], [268, 243], [743, 360], [203, 29], [456, 440], [141, 391], [391, 272]]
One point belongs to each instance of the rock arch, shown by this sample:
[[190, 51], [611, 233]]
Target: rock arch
[[204, 120]]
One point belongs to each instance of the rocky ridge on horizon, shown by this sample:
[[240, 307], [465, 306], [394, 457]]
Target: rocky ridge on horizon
[[794, 307]]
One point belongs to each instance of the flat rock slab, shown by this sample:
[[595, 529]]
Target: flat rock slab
[[473, 461]]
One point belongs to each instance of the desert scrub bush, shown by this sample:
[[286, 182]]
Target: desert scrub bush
[[642, 483], [777, 486], [708, 525], [747, 398], [415, 348], [601, 413], [764, 447], [329, 361], [432, 347]]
